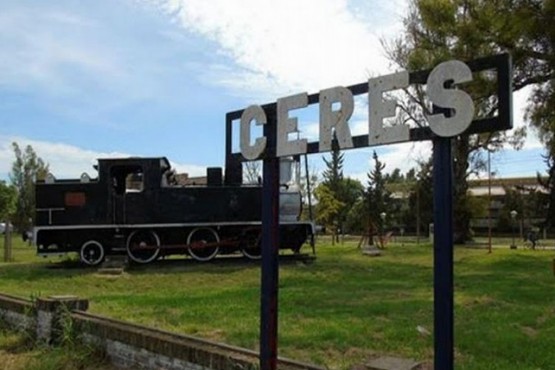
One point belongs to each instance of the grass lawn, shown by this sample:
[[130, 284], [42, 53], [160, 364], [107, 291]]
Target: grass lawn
[[335, 312], [18, 352]]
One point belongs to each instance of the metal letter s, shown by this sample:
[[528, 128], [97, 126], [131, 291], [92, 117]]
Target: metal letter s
[[457, 100]]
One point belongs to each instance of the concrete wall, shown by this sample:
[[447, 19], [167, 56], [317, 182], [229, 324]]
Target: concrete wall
[[127, 345], [17, 313]]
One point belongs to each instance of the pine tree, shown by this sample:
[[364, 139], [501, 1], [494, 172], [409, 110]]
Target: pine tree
[[345, 190], [333, 174], [378, 198]]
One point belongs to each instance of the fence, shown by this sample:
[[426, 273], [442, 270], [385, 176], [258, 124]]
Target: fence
[[127, 345]]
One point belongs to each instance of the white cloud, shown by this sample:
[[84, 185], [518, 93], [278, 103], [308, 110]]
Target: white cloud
[[68, 161], [405, 156], [288, 45], [291, 46], [82, 64], [310, 131], [38, 50], [85, 66]]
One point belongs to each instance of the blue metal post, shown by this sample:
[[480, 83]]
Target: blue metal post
[[443, 255], [270, 254]]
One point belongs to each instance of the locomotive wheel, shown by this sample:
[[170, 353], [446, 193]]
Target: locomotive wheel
[[143, 246], [199, 236], [92, 253], [251, 247], [253, 253]]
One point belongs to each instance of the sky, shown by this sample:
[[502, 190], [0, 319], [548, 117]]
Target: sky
[[81, 80]]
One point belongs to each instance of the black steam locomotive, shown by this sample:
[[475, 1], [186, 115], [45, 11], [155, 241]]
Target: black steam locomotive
[[134, 207]]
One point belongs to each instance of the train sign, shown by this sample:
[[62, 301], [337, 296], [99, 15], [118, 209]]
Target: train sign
[[444, 89], [457, 100]]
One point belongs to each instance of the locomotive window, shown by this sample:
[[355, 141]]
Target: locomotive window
[[127, 179], [134, 182], [252, 173]]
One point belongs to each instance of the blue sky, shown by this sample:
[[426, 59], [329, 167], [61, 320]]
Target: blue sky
[[81, 80]]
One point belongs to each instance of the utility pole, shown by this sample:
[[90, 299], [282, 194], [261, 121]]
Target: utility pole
[[417, 214], [489, 200]]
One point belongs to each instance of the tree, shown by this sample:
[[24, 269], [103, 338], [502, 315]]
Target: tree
[[468, 29], [533, 48], [333, 174], [328, 208], [356, 221], [351, 192], [527, 201], [548, 184], [346, 191], [252, 172], [421, 203], [307, 184], [395, 176], [410, 176], [26, 170], [378, 198], [8, 197]]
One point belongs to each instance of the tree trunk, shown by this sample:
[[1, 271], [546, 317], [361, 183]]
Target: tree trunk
[[8, 242]]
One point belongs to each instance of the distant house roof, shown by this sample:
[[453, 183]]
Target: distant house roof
[[183, 179], [479, 187], [507, 181], [524, 184], [500, 190]]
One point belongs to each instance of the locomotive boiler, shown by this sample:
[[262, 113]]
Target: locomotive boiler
[[134, 207]]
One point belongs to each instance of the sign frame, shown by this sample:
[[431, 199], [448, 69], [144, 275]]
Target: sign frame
[[501, 64]]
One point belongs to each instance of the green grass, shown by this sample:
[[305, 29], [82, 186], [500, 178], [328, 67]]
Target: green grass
[[337, 311], [19, 352]]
